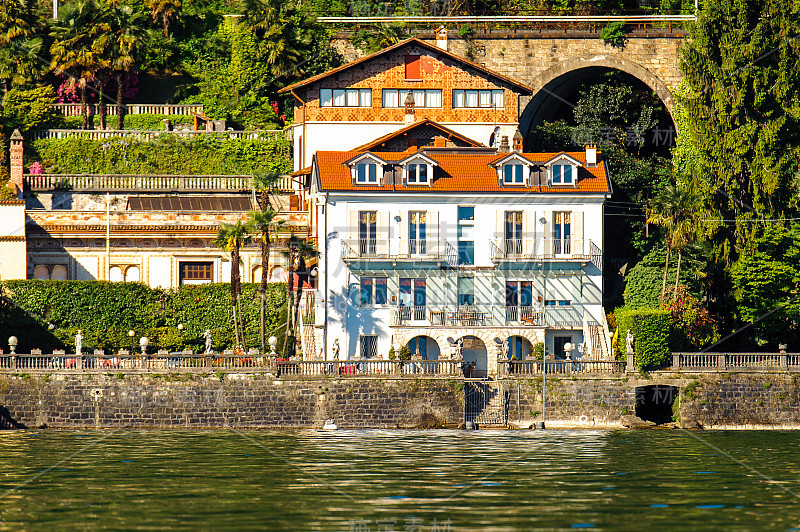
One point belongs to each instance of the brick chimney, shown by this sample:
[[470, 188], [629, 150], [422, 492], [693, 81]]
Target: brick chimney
[[504, 147], [15, 181], [517, 141], [439, 142], [409, 105], [441, 38]]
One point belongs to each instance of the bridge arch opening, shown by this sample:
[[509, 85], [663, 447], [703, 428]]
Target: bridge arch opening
[[557, 90]]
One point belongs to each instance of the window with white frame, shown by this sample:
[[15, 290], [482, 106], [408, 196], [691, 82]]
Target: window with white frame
[[467, 98], [373, 291], [418, 173], [422, 97], [562, 174], [366, 172], [514, 173], [345, 97]]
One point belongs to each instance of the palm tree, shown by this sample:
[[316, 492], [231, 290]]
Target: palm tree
[[297, 252], [304, 251], [127, 34], [231, 238], [673, 209], [262, 223], [283, 32], [265, 183], [19, 44], [164, 10], [74, 51]]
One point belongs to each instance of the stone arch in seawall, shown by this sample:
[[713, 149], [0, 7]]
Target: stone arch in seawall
[[403, 336], [549, 86]]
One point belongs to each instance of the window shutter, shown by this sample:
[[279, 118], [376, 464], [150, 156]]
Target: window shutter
[[412, 67], [577, 233], [432, 229], [354, 227], [405, 219], [383, 233], [528, 232], [547, 236]]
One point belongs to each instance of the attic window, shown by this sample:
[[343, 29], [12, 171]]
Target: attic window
[[513, 174], [366, 172], [417, 174], [561, 174]]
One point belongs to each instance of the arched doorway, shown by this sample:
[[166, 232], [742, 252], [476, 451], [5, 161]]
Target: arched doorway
[[518, 348], [474, 350], [424, 346]]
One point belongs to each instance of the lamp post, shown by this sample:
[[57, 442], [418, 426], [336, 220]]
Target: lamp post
[[143, 343], [131, 334], [568, 347], [272, 343]]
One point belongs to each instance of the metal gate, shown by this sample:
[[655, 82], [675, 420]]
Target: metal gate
[[484, 402]]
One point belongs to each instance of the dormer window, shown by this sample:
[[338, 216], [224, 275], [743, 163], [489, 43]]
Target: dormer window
[[366, 172], [562, 174], [513, 173], [417, 174]]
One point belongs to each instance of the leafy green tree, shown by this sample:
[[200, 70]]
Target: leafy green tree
[[374, 39], [30, 109], [766, 280], [742, 85], [231, 238], [262, 223]]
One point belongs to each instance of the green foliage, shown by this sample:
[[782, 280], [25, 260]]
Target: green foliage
[[105, 312], [374, 39], [766, 279], [537, 350], [150, 122], [742, 88], [215, 154], [651, 329], [29, 109], [643, 281], [693, 325], [614, 34]]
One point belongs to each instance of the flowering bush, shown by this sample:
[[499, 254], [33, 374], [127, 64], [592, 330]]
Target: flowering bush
[[35, 168], [693, 322]]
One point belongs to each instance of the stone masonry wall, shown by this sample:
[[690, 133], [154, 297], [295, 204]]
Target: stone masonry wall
[[243, 401]]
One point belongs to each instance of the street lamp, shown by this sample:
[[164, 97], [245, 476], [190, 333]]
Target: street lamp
[[143, 343], [180, 326], [568, 347], [131, 334]]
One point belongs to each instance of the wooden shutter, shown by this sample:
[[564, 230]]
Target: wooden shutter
[[432, 232], [500, 228], [383, 233], [547, 235], [353, 225], [577, 233], [528, 232], [412, 67], [405, 219]]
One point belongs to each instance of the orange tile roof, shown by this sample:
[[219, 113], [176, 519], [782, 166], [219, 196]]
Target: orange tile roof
[[426, 122], [523, 89], [459, 172]]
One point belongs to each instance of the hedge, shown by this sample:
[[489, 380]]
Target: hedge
[[143, 121], [211, 153], [644, 281], [651, 329], [105, 312]]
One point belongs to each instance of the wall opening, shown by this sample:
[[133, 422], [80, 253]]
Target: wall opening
[[654, 403]]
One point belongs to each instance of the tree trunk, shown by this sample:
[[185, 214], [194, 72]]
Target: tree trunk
[[677, 274], [120, 105], [664, 281], [289, 305], [84, 113], [265, 245], [234, 288], [101, 104]]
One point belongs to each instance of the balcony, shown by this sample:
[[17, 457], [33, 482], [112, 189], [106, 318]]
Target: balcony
[[397, 249], [546, 249], [486, 316]]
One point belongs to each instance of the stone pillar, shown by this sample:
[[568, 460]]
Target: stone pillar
[[15, 181]]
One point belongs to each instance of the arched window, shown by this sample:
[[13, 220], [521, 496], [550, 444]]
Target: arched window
[[115, 274], [132, 274], [278, 275], [257, 274], [59, 273], [41, 272]]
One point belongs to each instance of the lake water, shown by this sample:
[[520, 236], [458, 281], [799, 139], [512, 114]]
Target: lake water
[[375, 480]]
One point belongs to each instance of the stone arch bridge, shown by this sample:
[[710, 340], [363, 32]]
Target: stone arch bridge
[[553, 62]]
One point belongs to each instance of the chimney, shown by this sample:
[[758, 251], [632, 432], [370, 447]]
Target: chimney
[[441, 38], [591, 155], [439, 142], [409, 105], [517, 141], [15, 182], [504, 147]]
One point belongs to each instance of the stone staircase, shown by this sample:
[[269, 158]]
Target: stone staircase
[[484, 402]]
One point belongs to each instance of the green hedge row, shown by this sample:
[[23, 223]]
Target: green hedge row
[[651, 329], [211, 153], [105, 312], [141, 121]]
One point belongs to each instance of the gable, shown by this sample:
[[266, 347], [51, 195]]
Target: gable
[[419, 134]]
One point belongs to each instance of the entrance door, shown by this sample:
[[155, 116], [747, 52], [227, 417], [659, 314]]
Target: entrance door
[[558, 346]]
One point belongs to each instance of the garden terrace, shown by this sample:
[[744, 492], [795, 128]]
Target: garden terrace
[[141, 134], [144, 183], [735, 361], [75, 109]]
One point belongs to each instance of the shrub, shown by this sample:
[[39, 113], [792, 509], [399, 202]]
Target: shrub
[[651, 329], [614, 34], [150, 122], [105, 312], [215, 154]]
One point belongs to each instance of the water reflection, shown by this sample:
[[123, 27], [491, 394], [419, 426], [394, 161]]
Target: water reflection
[[393, 480]]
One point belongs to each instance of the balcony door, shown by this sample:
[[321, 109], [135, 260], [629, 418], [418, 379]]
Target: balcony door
[[562, 232], [513, 232], [367, 232], [519, 300], [413, 296], [417, 233]]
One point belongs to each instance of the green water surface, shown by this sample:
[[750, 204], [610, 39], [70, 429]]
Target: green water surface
[[375, 480]]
